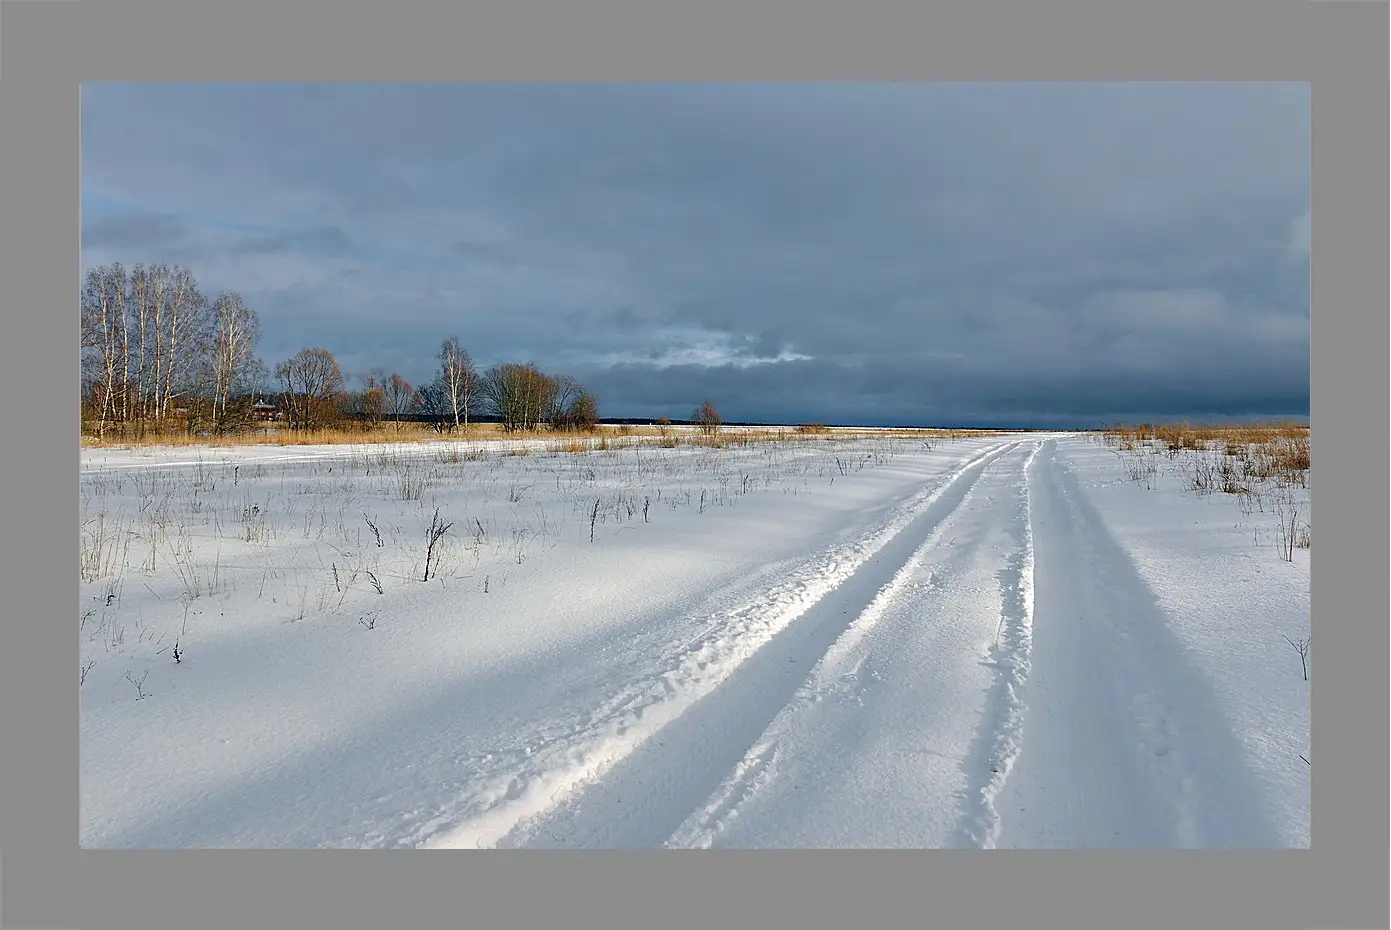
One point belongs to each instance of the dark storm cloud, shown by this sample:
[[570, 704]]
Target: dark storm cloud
[[832, 252]]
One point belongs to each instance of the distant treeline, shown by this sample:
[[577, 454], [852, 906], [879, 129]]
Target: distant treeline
[[158, 352]]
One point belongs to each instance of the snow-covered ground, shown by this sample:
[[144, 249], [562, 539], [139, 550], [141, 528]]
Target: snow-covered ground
[[996, 640]]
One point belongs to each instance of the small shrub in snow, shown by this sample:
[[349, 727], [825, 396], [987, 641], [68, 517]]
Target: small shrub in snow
[[433, 534], [1302, 646], [139, 685]]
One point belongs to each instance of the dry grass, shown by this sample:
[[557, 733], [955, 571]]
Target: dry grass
[[1180, 436], [268, 436], [1250, 452], [571, 441], [1262, 463], [282, 436]]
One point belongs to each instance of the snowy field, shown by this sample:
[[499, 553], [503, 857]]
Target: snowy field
[[1013, 640]]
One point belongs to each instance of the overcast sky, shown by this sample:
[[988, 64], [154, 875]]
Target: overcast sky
[[1052, 255]]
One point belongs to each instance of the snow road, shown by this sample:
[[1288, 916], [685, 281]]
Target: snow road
[[968, 647]]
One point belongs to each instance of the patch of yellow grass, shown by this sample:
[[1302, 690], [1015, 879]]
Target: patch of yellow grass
[[267, 436], [1277, 450], [572, 441]]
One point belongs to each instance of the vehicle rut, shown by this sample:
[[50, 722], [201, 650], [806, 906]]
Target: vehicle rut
[[643, 800], [1127, 743]]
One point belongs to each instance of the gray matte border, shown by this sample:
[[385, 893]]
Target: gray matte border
[[49, 47]]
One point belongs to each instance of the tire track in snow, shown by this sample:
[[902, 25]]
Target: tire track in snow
[[1128, 745], [838, 665], [644, 801], [1010, 656], [543, 777]]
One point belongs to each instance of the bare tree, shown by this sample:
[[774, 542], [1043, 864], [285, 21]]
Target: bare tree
[[168, 302], [168, 342], [560, 394], [519, 395], [1302, 646], [433, 534], [150, 338], [500, 391], [459, 378], [707, 418], [401, 399], [152, 342], [185, 339], [310, 382], [120, 291], [102, 328], [142, 297], [572, 407], [151, 286], [538, 396], [584, 411], [235, 367], [368, 404], [435, 403]]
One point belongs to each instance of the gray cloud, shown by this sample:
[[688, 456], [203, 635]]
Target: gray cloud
[[322, 240], [135, 230], [1059, 253]]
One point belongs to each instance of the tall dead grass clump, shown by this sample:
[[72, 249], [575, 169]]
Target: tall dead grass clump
[[1243, 460]]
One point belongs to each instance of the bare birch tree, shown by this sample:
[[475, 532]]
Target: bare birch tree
[[151, 341], [186, 339], [156, 297], [171, 338], [459, 378], [102, 325], [235, 367], [142, 289]]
